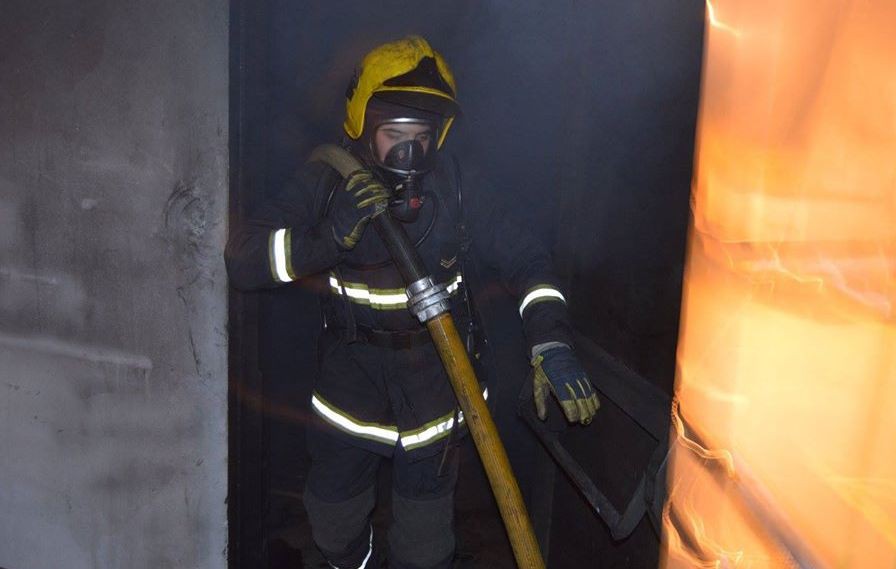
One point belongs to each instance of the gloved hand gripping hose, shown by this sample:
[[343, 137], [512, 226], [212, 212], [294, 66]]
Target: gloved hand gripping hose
[[362, 199], [431, 307]]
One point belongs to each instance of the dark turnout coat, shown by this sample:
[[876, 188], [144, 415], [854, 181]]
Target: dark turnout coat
[[382, 397]]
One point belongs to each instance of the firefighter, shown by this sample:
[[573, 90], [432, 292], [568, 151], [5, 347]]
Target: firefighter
[[382, 390]]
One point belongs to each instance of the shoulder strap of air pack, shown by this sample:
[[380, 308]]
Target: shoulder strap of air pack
[[344, 163], [462, 231]]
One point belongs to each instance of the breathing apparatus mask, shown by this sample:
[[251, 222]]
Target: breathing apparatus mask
[[400, 143]]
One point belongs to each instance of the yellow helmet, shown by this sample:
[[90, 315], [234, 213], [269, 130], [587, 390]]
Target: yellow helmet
[[408, 72]]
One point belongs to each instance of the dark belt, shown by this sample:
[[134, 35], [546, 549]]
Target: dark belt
[[394, 339]]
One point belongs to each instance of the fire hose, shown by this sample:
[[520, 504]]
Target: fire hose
[[429, 302]]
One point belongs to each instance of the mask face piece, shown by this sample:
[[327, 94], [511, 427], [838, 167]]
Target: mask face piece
[[405, 147], [405, 156], [407, 159]]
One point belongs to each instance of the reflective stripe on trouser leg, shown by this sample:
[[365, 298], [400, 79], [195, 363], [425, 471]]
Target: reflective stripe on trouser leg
[[342, 530], [422, 532]]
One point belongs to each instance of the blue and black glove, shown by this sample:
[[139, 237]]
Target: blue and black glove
[[558, 370]]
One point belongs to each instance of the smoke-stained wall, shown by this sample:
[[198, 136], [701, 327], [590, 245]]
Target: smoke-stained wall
[[113, 196]]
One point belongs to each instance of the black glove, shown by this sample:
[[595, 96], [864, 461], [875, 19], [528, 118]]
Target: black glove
[[363, 198], [558, 370]]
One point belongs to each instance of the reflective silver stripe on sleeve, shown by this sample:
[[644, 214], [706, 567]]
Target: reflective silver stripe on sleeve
[[340, 420], [280, 253], [541, 293]]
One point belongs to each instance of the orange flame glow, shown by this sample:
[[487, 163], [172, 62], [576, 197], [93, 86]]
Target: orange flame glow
[[783, 449]]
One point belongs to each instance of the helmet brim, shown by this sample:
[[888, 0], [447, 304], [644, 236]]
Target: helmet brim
[[438, 104]]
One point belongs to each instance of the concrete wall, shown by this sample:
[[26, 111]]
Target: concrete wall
[[113, 379]]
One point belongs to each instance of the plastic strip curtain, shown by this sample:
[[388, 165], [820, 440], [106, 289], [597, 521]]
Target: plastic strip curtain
[[783, 450]]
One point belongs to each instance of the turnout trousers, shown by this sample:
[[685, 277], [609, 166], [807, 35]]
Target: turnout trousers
[[400, 391]]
